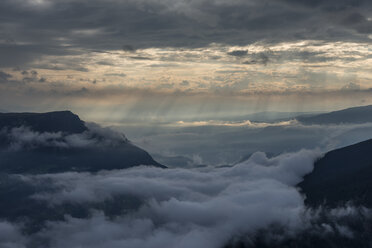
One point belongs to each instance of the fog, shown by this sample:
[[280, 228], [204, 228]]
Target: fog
[[222, 143], [23, 137], [200, 207], [227, 183]]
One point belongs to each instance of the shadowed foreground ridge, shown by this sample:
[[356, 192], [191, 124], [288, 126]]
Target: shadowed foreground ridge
[[341, 178], [342, 175], [60, 142]]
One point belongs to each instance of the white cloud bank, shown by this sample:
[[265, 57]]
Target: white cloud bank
[[199, 208], [24, 137]]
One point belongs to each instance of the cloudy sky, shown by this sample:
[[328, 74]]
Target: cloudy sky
[[111, 60]]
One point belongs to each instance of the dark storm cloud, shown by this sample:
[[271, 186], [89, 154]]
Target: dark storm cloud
[[128, 48], [4, 76], [63, 67], [140, 58], [259, 58], [359, 22], [38, 28], [21, 54], [42, 80], [278, 57], [116, 74], [238, 53], [185, 83]]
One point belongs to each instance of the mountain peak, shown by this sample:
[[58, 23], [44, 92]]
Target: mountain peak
[[57, 121], [63, 143]]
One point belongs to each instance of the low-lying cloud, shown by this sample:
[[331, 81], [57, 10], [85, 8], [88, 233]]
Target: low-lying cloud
[[246, 123], [227, 142], [208, 207], [24, 137]]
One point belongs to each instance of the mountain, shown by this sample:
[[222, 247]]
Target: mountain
[[33, 143], [340, 176], [60, 142], [361, 114], [60, 121], [266, 116], [272, 116]]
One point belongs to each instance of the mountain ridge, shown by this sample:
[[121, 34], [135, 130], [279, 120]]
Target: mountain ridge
[[56, 121], [360, 114], [340, 176], [60, 141]]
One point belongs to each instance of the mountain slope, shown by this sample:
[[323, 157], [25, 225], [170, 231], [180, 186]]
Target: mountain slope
[[341, 175], [361, 114], [59, 121], [60, 142]]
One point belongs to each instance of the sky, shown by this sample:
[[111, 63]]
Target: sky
[[180, 79], [113, 60]]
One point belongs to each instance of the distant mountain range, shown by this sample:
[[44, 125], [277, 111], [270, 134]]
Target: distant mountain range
[[269, 116], [344, 174], [360, 114], [355, 115], [59, 142], [272, 116]]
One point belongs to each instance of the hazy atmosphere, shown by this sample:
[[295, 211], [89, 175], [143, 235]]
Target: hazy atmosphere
[[151, 59], [185, 123]]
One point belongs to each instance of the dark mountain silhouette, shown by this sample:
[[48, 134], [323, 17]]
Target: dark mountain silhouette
[[32, 143], [43, 147], [342, 175], [273, 116], [361, 114], [60, 121]]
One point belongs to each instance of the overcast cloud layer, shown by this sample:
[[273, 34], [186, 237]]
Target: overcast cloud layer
[[185, 57], [47, 26]]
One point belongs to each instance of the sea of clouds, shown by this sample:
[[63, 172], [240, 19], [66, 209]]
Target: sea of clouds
[[201, 207]]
